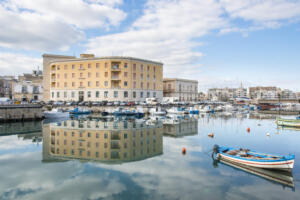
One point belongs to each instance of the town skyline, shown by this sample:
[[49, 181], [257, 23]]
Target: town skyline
[[219, 43]]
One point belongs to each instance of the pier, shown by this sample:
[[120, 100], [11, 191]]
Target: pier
[[22, 112]]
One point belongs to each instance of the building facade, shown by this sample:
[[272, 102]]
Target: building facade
[[260, 92], [225, 94], [90, 78], [183, 89], [6, 86]]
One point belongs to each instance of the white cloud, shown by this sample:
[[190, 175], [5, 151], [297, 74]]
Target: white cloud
[[46, 25], [16, 64], [164, 33]]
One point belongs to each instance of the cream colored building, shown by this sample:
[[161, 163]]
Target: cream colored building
[[112, 141], [90, 78], [183, 89], [185, 127]]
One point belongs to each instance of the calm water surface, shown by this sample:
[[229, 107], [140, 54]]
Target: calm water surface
[[137, 159]]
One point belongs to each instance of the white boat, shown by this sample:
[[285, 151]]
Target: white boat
[[55, 113], [176, 110], [205, 109], [255, 159], [157, 111], [288, 122]]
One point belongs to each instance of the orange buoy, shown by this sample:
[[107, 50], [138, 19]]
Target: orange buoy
[[248, 129], [183, 150], [211, 135]]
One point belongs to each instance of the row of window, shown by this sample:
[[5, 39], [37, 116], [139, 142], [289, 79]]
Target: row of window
[[97, 84], [114, 66], [105, 94], [89, 74]]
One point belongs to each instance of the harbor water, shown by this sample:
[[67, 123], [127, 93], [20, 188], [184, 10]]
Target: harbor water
[[142, 158]]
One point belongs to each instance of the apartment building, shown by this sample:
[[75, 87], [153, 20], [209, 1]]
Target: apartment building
[[225, 94], [111, 141], [183, 89], [261, 92], [91, 78]]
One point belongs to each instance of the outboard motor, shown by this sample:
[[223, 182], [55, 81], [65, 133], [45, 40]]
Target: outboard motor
[[216, 148]]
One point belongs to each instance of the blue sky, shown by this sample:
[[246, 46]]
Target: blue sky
[[217, 42]]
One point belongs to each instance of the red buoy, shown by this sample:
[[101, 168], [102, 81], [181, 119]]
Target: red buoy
[[183, 150], [248, 129]]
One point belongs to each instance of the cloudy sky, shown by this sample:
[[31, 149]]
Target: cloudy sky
[[218, 42]]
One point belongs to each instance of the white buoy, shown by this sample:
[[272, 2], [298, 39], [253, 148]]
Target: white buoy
[[268, 134]]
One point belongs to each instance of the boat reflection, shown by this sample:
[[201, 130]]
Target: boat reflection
[[283, 178], [111, 141], [179, 127]]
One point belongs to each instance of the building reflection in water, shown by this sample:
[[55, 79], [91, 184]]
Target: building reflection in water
[[179, 127], [109, 141]]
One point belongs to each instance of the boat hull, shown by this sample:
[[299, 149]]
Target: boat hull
[[48, 115], [279, 165], [288, 123]]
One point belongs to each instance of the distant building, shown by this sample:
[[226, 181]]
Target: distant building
[[201, 96], [6, 85], [288, 94], [90, 78], [260, 92], [184, 89], [298, 95], [226, 94], [28, 87]]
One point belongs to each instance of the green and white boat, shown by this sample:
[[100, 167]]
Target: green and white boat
[[288, 122]]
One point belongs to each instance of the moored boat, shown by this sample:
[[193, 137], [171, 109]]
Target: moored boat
[[55, 113], [157, 111], [288, 122], [77, 111], [255, 159]]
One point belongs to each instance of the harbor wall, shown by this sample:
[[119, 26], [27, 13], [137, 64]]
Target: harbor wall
[[22, 112]]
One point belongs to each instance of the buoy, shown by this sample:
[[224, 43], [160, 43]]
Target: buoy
[[183, 150], [268, 134], [248, 129], [211, 135]]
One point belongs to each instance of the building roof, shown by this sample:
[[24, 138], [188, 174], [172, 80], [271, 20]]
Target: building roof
[[180, 79], [73, 58]]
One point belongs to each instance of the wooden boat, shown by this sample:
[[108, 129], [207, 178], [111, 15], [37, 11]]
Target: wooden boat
[[282, 177], [255, 159], [288, 122]]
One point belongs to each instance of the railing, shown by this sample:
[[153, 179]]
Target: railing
[[115, 78], [115, 68]]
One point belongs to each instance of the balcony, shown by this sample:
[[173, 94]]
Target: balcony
[[115, 78], [169, 90], [115, 136], [115, 68], [53, 79], [115, 145]]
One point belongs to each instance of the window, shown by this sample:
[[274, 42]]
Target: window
[[142, 76], [73, 66], [125, 74], [65, 67], [89, 94], [105, 135], [134, 84], [52, 94], [97, 94], [134, 94], [57, 94], [65, 94], [106, 74], [73, 94], [154, 94], [89, 83], [97, 135], [154, 86], [148, 94], [97, 65], [97, 74], [125, 94], [115, 94], [106, 83], [142, 85], [154, 69], [89, 74], [148, 85], [97, 83], [73, 84], [106, 94], [125, 83], [148, 77], [105, 65], [65, 75], [148, 68], [81, 66], [134, 76], [73, 75], [65, 84], [142, 68], [134, 67], [89, 66], [125, 65], [81, 75], [141, 94], [81, 84], [58, 67]]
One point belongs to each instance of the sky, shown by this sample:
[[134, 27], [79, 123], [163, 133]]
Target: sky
[[220, 43]]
